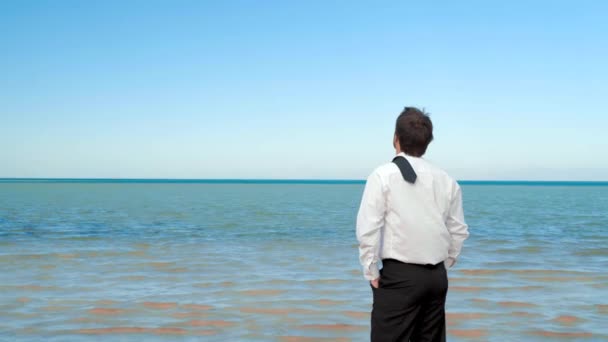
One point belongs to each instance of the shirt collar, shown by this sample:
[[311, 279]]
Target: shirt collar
[[407, 156]]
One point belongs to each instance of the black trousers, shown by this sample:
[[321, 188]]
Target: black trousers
[[409, 304]]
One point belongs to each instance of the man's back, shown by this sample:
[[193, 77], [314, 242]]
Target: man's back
[[416, 218]]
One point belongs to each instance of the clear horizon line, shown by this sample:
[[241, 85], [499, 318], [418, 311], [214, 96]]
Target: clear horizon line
[[276, 180]]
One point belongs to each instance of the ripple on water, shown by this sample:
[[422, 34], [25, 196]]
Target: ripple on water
[[106, 311], [602, 308], [267, 292], [133, 330], [560, 334], [333, 327], [470, 333], [192, 314], [278, 311], [199, 307], [312, 339], [592, 252], [210, 323], [160, 305]]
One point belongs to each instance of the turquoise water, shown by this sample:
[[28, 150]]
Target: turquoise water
[[277, 261]]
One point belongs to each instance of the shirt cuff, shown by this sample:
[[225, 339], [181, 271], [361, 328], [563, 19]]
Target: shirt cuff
[[449, 262], [372, 272]]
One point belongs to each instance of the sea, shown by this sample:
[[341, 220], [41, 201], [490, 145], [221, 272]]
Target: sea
[[264, 260]]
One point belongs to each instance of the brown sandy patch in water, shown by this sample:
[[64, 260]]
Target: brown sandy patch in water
[[327, 302], [521, 288], [355, 272], [357, 314], [467, 288], [325, 281], [333, 327], [169, 331], [556, 334], [205, 332], [474, 272], [133, 330], [19, 315], [24, 300], [515, 304], [36, 288], [197, 307], [278, 311], [559, 279], [480, 272], [205, 323], [472, 333], [551, 272], [160, 305], [465, 315], [460, 280], [268, 311], [480, 300], [195, 314], [567, 319], [48, 267], [261, 292], [480, 288], [20, 257], [311, 339], [113, 330], [602, 308], [28, 331], [106, 311], [67, 256], [222, 284]]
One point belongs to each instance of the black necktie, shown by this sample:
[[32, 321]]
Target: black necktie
[[406, 169]]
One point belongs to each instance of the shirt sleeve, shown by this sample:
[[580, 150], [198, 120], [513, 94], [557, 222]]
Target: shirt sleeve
[[370, 221], [458, 229]]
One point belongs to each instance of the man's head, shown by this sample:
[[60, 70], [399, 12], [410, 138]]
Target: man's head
[[413, 132]]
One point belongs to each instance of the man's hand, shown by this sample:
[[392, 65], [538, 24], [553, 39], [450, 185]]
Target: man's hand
[[375, 283]]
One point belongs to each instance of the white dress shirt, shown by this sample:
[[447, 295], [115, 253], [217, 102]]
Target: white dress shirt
[[420, 223]]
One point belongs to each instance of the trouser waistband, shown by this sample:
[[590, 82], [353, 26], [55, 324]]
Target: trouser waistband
[[397, 262]]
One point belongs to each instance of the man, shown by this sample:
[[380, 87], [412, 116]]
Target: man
[[411, 219]]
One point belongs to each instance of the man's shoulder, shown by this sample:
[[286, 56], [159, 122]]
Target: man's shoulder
[[385, 169], [437, 171]]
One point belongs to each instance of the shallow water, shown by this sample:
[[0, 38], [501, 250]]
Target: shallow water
[[278, 262]]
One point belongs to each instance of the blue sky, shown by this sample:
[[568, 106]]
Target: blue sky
[[263, 89]]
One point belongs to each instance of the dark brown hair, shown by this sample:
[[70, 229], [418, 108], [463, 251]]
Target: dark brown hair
[[414, 131]]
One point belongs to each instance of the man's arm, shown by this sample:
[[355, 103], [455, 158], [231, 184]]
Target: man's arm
[[370, 221], [456, 226]]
